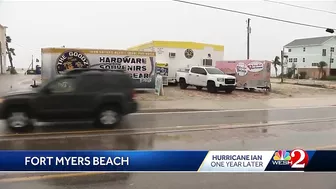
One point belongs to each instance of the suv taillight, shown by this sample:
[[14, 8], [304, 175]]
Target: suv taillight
[[133, 94]]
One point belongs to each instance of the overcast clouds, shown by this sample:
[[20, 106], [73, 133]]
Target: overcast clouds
[[121, 24]]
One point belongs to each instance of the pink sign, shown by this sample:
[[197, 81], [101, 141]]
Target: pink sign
[[257, 71]]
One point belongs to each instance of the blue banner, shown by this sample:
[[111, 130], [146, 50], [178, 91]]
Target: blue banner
[[128, 161]]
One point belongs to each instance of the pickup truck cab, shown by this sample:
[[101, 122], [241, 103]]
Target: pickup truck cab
[[210, 77], [87, 95]]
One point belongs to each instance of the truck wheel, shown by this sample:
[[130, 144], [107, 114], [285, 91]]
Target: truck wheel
[[183, 84], [199, 88], [211, 87], [19, 120], [229, 90], [108, 117]]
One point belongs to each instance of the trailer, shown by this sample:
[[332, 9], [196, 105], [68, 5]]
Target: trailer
[[250, 74], [174, 55], [140, 65]]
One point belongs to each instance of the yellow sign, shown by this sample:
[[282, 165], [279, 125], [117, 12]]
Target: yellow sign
[[162, 65]]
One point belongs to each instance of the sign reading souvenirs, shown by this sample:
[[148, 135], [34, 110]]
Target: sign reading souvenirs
[[140, 68]]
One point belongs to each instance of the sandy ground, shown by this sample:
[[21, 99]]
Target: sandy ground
[[321, 83], [284, 90]]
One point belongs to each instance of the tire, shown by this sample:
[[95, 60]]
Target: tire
[[199, 88], [229, 91], [19, 120], [211, 87], [108, 117], [183, 84]]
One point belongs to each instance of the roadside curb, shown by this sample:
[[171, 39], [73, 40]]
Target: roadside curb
[[177, 110], [149, 110]]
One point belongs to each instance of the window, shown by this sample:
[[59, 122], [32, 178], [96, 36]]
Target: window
[[202, 71], [324, 52], [214, 71], [314, 64], [64, 85], [193, 70], [93, 83], [207, 62], [289, 50], [303, 60], [304, 49], [290, 60], [295, 59], [198, 71], [332, 49], [331, 60]]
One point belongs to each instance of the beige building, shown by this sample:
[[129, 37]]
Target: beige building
[[3, 63]]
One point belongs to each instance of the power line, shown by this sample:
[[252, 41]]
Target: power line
[[31, 50], [302, 7], [255, 15]]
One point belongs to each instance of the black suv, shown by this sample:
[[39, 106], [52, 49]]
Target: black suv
[[102, 96]]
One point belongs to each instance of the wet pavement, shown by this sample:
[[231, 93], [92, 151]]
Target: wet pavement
[[147, 131], [195, 118]]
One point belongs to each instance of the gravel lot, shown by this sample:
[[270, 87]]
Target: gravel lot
[[278, 91]]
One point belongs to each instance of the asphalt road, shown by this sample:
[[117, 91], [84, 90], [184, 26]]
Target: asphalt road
[[258, 130], [173, 119]]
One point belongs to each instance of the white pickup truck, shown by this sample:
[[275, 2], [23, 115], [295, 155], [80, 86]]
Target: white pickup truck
[[210, 77]]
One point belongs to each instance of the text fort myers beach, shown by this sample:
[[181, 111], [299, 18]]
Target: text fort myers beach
[[77, 161]]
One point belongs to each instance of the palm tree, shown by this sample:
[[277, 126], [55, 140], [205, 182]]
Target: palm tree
[[321, 66], [11, 53], [276, 63]]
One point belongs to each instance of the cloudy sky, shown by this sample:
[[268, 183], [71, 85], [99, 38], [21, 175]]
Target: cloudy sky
[[121, 24]]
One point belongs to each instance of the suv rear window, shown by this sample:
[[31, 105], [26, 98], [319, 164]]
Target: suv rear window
[[90, 83], [120, 80]]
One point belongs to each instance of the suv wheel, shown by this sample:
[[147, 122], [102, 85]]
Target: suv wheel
[[108, 117], [19, 120]]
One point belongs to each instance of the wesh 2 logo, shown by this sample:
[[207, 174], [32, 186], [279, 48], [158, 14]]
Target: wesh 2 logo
[[296, 158]]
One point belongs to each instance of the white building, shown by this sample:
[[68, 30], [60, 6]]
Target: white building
[[174, 55], [3, 63], [307, 53]]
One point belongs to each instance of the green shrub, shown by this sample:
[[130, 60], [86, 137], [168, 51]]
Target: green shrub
[[329, 78], [303, 75]]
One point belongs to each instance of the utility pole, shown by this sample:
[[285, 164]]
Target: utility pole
[[32, 62], [248, 38]]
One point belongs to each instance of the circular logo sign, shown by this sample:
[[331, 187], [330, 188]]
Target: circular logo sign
[[255, 66], [241, 69], [188, 53], [72, 59]]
